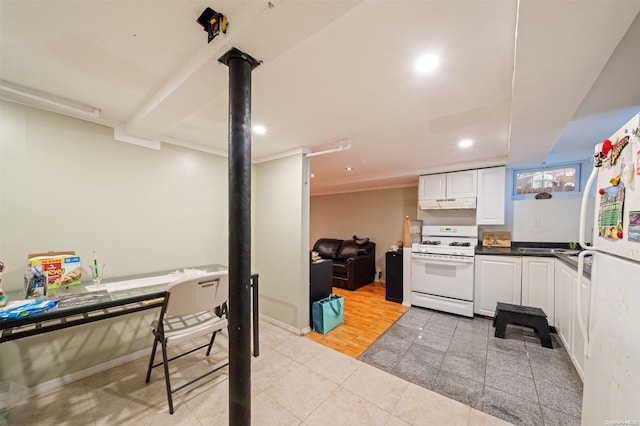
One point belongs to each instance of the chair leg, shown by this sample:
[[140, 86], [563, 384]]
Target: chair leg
[[166, 375], [213, 337], [152, 357]]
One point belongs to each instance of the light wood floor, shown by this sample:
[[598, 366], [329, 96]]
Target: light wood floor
[[367, 315]]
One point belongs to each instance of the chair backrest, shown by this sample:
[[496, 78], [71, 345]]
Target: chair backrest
[[197, 294]]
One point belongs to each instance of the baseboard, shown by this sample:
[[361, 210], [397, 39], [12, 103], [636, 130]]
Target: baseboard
[[79, 375], [298, 331]]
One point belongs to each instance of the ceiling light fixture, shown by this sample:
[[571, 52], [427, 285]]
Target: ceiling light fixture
[[349, 169], [465, 143], [313, 175], [427, 63], [259, 130]]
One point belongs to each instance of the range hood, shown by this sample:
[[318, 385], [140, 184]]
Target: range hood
[[448, 203]]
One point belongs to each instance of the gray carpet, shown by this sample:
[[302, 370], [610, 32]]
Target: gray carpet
[[514, 378]]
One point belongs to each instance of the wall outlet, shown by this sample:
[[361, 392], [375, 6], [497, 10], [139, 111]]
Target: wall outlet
[[536, 222]]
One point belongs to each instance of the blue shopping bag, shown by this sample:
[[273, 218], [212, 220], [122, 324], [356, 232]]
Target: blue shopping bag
[[328, 313]]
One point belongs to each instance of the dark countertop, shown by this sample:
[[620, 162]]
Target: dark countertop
[[513, 250], [499, 251], [571, 261]]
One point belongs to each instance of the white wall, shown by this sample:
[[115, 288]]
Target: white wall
[[378, 215], [553, 220], [66, 184], [282, 240]]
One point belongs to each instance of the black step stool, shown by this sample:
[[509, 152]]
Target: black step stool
[[526, 316]]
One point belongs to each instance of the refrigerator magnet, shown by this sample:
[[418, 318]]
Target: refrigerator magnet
[[610, 212], [617, 149], [634, 226]]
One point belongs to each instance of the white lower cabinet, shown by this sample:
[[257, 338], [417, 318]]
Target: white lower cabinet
[[497, 279], [565, 278], [542, 282], [566, 312], [577, 354], [538, 284], [526, 280]]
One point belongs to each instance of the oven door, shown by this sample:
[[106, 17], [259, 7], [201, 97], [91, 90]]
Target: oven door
[[443, 275]]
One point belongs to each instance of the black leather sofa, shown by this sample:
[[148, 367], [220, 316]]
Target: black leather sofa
[[354, 261]]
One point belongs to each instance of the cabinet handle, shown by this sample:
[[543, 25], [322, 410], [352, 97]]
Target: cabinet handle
[[444, 261]]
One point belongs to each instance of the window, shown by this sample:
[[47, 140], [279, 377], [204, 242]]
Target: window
[[559, 178]]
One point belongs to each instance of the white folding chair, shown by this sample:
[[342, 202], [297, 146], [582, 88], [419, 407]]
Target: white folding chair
[[193, 307]]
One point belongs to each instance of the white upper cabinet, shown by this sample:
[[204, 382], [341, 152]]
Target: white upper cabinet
[[462, 184], [432, 187], [449, 185], [491, 196]]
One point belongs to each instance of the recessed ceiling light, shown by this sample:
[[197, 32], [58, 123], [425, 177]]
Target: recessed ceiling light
[[427, 63], [260, 130], [349, 169], [465, 143], [312, 175]]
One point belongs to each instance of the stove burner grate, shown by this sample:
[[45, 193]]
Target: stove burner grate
[[460, 244]]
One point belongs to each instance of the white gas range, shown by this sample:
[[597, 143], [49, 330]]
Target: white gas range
[[442, 268]]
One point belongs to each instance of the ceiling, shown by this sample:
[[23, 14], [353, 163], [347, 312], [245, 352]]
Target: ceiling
[[529, 81]]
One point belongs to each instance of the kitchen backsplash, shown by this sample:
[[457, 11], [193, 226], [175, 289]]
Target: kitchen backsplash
[[553, 220]]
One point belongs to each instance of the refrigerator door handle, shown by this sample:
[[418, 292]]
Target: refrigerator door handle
[[583, 208], [585, 328]]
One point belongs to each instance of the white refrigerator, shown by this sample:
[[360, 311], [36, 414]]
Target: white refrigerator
[[611, 326]]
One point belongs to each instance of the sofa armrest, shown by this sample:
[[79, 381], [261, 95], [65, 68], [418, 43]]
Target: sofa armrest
[[361, 269]]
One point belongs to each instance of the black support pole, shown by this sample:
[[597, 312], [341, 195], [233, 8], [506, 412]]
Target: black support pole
[[240, 67]]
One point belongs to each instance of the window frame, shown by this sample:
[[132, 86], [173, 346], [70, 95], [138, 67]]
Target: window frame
[[543, 169]]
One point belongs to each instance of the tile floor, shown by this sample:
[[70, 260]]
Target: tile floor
[[515, 378], [295, 381]]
